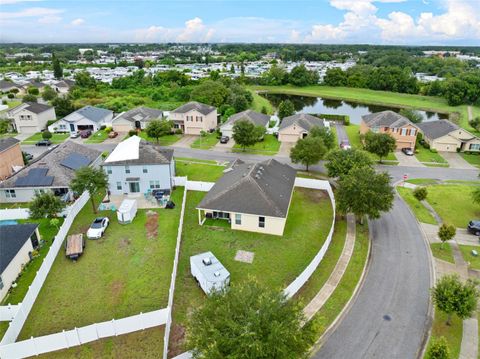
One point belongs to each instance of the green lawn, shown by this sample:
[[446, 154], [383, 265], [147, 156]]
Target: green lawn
[[334, 131], [12, 104], [344, 291], [14, 205], [98, 137], [187, 159], [269, 146], [205, 142], [422, 181], [443, 253], [260, 102], [471, 158], [124, 273], [198, 171], [452, 333], [166, 140], [278, 259], [425, 155], [8, 134], [353, 133], [474, 262], [422, 214], [56, 138]]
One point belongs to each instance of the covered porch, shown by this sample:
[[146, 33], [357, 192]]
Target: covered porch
[[214, 218]]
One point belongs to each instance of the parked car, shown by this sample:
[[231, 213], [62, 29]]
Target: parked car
[[44, 143], [75, 134], [345, 145], [408, 151], [85, 133], [28, 156], [112, 134], [97, 228], [224, 139], [474, 227]]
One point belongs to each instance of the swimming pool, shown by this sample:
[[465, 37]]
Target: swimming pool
[[8, 222]]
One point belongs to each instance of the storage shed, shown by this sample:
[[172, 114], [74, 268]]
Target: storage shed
[[127, 211], [209, 273]]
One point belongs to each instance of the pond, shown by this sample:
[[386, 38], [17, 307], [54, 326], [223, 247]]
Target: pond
[[355, 110]]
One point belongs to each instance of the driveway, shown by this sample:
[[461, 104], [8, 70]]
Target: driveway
[[409, 161], [456, 161], [185, 141], [224, 147], [116, 140], [23, 136], [285, 148], [341, 133]]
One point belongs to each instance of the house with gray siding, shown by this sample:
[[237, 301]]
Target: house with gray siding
[[138, 166]]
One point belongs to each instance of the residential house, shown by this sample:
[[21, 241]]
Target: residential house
[[31, 117], [445, 136], [87, 118], [298, 126], [194, 117], [17, 243], [138, 166], [257, 118], [52, 171], [63, 86], [34, 84], [7, 86], [396, 125], [252, 197], [11, 158], [136, 119]]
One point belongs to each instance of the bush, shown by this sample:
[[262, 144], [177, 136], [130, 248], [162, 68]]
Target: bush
[[203, 133], [11, 95], [426, 145], [346, 121], [102, 127], [33, 91], [51, 122], [108, 129], [420, 193], [433, 150], [132, 133], [105, 154], [4, 102], [46, 135], [178, 131], [438, 349]]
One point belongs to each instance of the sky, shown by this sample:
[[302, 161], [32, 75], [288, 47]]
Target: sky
[[389, 22]]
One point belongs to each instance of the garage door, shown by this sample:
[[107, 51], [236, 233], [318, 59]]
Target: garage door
[[122, 128], [85, 127], [287, 137], [228, 133], [28, 129], [405, 144], [192, 131]]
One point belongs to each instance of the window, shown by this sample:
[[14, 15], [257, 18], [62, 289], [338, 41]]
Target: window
[[119, 186], [145, 169], [404, 132], [154, 184], [261, 222], [1, 283], [412, 132], [375, 129], [474, 146], [127, 169], [109, 170], [10, 193], [238, 219]]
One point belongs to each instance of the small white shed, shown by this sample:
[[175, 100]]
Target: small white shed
[[209, 273], [127, 211]]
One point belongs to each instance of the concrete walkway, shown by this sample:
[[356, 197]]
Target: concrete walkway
[[331, 284], [469, 348]]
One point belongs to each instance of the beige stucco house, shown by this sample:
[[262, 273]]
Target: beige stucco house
[[17, 243], [194, 117], [445, 136], [31, 117], [392, 123], [298, 126], [251, 197], [11, 159], [136, 119], [257, 118]]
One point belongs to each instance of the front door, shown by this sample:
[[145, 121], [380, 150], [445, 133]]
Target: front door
[[72, 127], [134, 187]]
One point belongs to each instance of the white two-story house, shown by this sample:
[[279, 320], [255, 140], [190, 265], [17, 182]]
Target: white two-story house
[[138, 166], [31, 117], [194, 117]]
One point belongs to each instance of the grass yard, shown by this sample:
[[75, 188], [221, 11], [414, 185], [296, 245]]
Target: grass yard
[[425, 155], [278, 260], [166, 140], [452, 333], [187, 159], [259, 102], [471, 158], [353, 133], [97, 137], [269, 146], [124, 273], [334, 131], [474, 262], [422, 181], [419, 210], [56, 138], [199, 171], [14, 205], [443, 253], [205, 142], [8, 134]]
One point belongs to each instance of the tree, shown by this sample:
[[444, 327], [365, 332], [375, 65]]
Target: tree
[[46, 135], [276, 75], [438, 349], [158, 128], [341, 162], [264, 110], [451, 296], [420, 193], [45, 205], [48, 93], [57, 67], [325, 134], [33, 91], [308, 151], [210, 92], [285, 109], [476, 196], [63, 106], [335, 77], [54, 222], [446, 232], [380, 144], [29, 98], [92, 180], [4, 124], [245, 133], [248, 321], [84, 80], [301, 76], [412, 115], [365, 193]]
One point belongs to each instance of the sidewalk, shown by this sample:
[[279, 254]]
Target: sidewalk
[[331, 284]]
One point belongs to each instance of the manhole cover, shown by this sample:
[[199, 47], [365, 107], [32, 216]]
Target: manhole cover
[[387, 317]]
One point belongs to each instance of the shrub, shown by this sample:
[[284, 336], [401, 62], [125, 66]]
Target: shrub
[[346, 121], [203, 133], [105, 154], [178, 131], [132, 133], [33, 91], [102, 127], [433, 150], [11, 95], [108, 129], [438, 349], [46, 135], [420, 193], [4, 102]]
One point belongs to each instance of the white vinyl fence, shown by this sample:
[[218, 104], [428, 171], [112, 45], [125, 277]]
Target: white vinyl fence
[[8, 312], [199, 186], [14, 213], [17, 323], [179, 181], [79, 336]]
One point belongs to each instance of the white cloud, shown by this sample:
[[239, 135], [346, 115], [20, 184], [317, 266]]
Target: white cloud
[[77, 22], [9, 2], [50, 19], [195, 31], [30, 12]]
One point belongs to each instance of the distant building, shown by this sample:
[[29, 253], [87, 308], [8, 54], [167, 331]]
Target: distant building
[[11, 159], [31, 117]]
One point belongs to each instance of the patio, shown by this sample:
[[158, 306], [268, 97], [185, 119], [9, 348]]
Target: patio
[[142, 201]]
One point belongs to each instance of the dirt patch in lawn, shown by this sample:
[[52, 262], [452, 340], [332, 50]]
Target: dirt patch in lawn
[[177, 337], [124, 243], [315, 196], [152, 224], [116, 290]]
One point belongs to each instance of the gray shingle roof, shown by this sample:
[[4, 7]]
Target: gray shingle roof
[[95, 114], [436, 129], [141, 114], [51, 160], [6, 143], [257, 118], [263, 189], [12, 238], [304, 120], [386, 119], [149, 153], [6, 85], [37, 107], [193, 105]]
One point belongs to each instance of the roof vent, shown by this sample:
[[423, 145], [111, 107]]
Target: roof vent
[[261, 168], [216, 274], [207, 261], [257, 176]]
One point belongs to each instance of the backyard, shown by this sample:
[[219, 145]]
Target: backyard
[[205, 142], [269, 146], [197, 170], [56, 138], [277, 260], [124, 273]]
